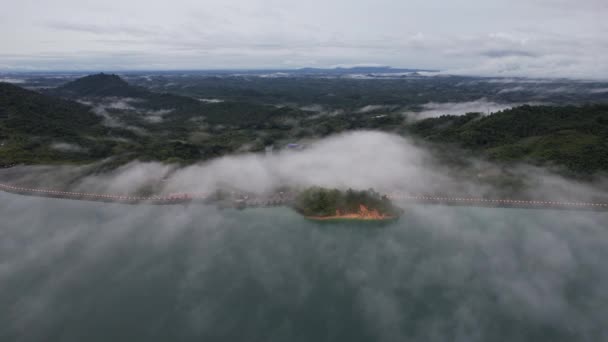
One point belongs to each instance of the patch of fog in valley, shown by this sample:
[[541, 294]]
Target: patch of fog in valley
[[437, 109], [320, 111], [211, 100], [107, 108], [374, 108], [156, 116], [12, 80], [68, 147]]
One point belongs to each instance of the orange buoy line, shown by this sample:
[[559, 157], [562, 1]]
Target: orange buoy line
[[479, 200], [184, 197], [79, 195]]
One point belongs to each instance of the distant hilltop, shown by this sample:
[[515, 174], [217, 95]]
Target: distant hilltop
[[99, 85]]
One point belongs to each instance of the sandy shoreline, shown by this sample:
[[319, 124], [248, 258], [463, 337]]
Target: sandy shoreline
[[350, 218]]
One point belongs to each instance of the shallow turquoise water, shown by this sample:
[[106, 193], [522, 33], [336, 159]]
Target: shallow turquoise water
[[77, 271]]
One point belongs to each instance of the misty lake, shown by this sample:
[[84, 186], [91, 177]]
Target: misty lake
[[77, 271]]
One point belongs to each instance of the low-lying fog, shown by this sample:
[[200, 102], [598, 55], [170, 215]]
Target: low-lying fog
[[79, 271], [436, 109], [358, 160]]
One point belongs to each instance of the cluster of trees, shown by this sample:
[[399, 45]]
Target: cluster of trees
[[318, 201], [30, 123], [28, 112], [572, 136]]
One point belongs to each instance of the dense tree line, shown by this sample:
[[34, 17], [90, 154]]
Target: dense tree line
[[573, 136], [317, 201]]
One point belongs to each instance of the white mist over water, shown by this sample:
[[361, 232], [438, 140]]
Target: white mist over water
[[358, 160], [75, 271]]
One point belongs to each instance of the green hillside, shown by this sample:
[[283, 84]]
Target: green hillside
[[37, 128], [183, 108], [574, 137], [28, 112]]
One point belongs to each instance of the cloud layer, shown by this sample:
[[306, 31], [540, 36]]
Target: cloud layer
[[499, 37]]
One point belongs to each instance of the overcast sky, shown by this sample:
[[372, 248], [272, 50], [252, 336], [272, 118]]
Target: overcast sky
[[558, 38]]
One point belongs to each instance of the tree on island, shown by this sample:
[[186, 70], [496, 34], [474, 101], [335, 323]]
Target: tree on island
[[322, 202]]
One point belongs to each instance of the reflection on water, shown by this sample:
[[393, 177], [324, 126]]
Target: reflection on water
[[75, 271]]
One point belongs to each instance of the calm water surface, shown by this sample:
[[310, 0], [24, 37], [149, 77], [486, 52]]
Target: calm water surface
[[76, 271]]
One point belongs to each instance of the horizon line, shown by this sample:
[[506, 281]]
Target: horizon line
[[250, 69]]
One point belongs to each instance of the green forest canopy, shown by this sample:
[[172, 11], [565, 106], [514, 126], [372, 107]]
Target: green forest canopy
[[317, 201]]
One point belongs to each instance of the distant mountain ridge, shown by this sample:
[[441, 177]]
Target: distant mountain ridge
[[361, 70]]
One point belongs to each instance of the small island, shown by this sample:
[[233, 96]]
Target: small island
[[321, 204]]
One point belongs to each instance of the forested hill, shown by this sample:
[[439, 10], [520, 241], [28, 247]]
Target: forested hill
[[28, 112], [37, 128], [182, 108], [40, 129], [99, 85], [575, 137]]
